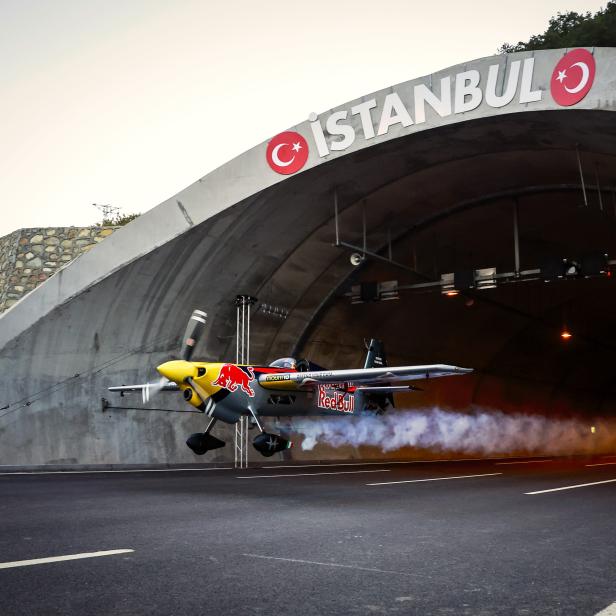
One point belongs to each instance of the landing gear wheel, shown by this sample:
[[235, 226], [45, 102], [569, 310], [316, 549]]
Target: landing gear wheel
[[269, 444], [201, 443]]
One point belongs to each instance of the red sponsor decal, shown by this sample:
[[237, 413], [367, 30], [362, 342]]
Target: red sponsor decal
[[335, 400], [573, 77], [231, 377], [287, 153]]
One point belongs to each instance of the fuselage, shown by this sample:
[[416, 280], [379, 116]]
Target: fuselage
[[227, 390]]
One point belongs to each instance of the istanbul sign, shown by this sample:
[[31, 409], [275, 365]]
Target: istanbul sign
[[572, 78]]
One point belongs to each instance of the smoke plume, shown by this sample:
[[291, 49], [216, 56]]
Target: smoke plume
[[484, 431]]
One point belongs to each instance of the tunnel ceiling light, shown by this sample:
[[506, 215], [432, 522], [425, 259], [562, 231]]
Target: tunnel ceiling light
[[486, 278], [447, 285], [374, 291], [566, 334]]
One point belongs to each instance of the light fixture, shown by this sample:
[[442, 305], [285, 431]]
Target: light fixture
[[485, 278], [565, 334], [447, 285]]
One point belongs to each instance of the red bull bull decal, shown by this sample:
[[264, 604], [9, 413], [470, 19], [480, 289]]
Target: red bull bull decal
[[231, 377], [335, 400]]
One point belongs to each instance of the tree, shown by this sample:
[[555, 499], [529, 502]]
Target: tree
[[573, 30], [119, 220]]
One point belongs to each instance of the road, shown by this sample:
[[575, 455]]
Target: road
[[450, 538]]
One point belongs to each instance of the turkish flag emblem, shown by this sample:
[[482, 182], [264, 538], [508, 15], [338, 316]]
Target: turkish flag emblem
[[287, 153], [573, 77]]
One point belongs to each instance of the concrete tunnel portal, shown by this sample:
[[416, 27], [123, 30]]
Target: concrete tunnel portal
[[437, 198]]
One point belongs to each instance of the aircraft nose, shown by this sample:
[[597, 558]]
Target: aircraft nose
[[177, 371]]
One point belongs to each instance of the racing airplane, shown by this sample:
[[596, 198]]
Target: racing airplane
[[287, 387]]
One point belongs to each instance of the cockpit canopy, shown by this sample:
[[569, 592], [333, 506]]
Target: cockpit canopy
[[295, 363], [284, 362]]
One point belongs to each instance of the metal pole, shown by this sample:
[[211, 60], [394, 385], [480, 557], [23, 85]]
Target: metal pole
[[243, 332], [598, 189], [336, 216], [579, 160], [516, 238], [248, 333], [237, 334], [364, 225], [246, 442]]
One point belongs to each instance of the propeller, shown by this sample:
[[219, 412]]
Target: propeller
[[194, 330], [151, 389]]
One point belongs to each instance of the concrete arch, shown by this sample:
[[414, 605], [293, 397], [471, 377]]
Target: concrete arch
[[121, 308]]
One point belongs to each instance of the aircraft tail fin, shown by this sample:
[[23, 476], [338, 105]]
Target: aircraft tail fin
[[376, 402], [376, 354]]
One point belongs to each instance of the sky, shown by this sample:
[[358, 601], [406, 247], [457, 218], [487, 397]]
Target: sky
[[127, 102]]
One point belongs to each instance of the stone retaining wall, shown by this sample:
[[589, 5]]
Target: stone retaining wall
[[29, 256]]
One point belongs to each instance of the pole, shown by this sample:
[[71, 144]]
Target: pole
[[579, 160], [516, 239], [242, 356]]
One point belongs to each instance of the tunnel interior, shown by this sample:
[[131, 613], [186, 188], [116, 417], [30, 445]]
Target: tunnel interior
[[518, 211]]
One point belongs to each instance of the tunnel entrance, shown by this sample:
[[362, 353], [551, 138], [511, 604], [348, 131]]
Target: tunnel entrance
[[541, 341]]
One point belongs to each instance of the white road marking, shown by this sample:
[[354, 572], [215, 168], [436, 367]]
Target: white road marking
[[388, 483], [525, 462], [610, 610], [384, 463], [579, 485], [380, 470], [314, 562], [602, 464], [143, 470], [56, 559]]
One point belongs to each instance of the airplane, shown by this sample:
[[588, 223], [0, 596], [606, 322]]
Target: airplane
[[288, 387]]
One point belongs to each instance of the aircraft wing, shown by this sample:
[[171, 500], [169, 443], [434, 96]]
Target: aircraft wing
[[360, 376]]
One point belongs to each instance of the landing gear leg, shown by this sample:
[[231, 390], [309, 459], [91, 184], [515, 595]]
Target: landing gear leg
[[209, 426], [256, 420]]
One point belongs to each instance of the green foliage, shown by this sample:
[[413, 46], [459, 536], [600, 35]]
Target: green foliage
[[119, 220], [573, 30]]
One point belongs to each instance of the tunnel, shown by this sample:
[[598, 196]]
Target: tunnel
[[481, 236]]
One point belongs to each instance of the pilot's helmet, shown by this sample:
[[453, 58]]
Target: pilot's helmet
[[302, 365]]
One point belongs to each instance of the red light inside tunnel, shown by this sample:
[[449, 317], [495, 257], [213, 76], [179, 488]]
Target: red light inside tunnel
[[565, 335], [452, 293]]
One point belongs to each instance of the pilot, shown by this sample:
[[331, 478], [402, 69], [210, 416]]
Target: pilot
[[302, 365]]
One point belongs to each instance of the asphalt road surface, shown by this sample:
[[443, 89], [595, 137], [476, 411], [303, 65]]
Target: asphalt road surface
[[476, 538]]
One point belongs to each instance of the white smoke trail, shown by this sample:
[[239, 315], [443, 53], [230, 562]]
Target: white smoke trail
[[484, 431]]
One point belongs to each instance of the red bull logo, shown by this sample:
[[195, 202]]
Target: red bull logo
[[231, 377], [335, 400]]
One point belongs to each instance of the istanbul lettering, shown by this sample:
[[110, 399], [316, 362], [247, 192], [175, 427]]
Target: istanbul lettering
[[572, 78], [458, 94]]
